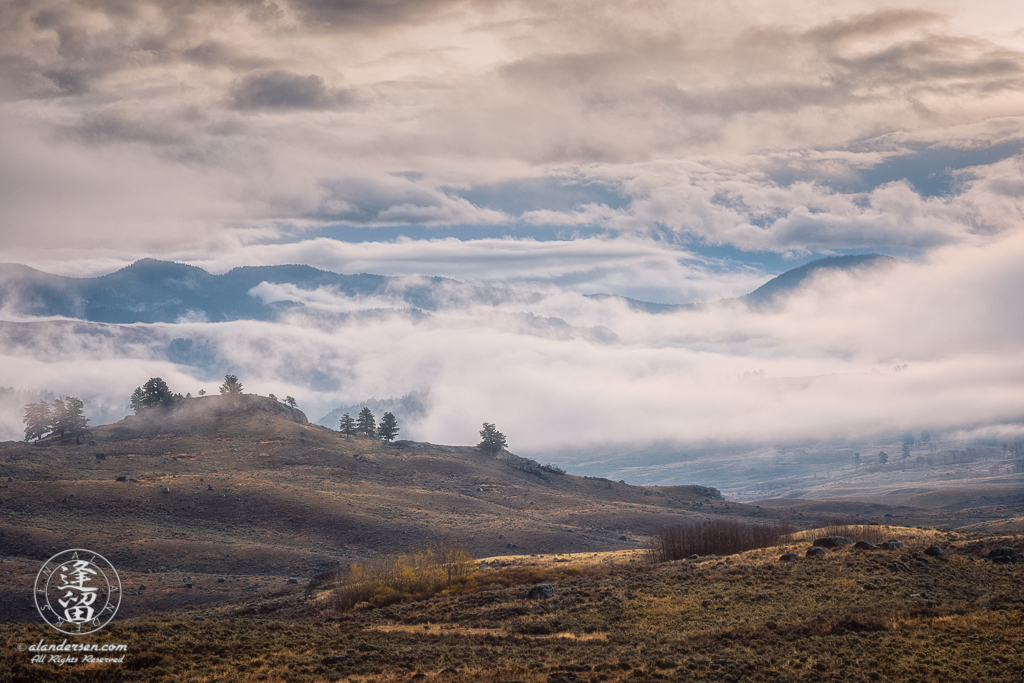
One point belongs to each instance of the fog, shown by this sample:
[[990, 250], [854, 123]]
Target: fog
[[571, 371]]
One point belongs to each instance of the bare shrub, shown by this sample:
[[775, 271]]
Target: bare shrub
[[393, 578], [715, 537], [854, 532]]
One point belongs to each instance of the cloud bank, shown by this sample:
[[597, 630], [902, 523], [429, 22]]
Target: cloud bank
[[565, 370]]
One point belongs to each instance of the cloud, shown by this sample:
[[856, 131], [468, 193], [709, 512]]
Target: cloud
[[539, 368], [280, 89]]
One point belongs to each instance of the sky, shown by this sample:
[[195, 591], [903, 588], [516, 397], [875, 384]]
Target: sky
[[671, 152]]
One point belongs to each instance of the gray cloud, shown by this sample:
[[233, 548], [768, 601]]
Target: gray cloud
[[279, 89]]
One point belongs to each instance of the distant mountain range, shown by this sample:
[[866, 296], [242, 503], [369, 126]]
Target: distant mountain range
[[151, 291]]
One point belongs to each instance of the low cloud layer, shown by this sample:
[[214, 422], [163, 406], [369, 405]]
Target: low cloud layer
[[564, 370]]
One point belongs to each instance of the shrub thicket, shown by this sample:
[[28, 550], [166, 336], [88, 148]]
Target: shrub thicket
[[855, 532], [393, 578], [715, 537]]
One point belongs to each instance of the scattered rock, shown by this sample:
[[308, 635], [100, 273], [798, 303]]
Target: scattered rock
[[694, 557], [789, 557], [831, 542], [898, 566], [123, 477], [221, 579], [418, 676], [764, 596], [188, 585], [865, 545], [101, 456], [623, 538], [816, 552], [934, 551], [541, 591], [164, 489], [143, 586], [891, 544], [707, 603], [293, 581]]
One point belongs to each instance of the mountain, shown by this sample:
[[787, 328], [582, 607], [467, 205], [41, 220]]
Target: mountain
[[771, 291], [150, 291]]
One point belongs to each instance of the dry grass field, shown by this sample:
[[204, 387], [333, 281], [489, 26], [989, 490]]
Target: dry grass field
[[255, 497]]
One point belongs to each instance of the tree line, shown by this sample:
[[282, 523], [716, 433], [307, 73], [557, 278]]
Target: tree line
[[64, 419]]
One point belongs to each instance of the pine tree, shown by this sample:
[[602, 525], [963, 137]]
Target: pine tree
[[136, 400], [492, 441], [153, 394], [365, 423], [75, 421], [37, 420], [348, 425], [58, 418], [231, 386], [388, 428]]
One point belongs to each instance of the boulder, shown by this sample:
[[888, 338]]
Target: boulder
[[816, 552], [541, 591], [831, 541], [707, 603], [788, 557], [1009, 554], [694, 557], [293, 581], [934, 551], [865, 545]]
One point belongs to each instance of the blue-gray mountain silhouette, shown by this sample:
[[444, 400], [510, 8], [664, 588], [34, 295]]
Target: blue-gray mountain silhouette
[[151, 291]]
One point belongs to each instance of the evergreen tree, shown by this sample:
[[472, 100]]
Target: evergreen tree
[[136, 400], [365, 423], [492, 441], [37, 420], [388, 428], [58, 418], [153, 394], [231, 386], [348, 425], [75, 422]]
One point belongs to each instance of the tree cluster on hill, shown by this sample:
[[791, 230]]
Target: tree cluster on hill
[[63, 418], [366, 425]]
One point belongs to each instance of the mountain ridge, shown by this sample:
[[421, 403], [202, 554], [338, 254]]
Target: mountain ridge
[[152, 291]]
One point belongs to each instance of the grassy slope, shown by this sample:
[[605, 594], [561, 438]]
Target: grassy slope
[[848, 616]]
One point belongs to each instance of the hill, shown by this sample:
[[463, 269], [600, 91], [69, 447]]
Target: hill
[[251, 489]]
